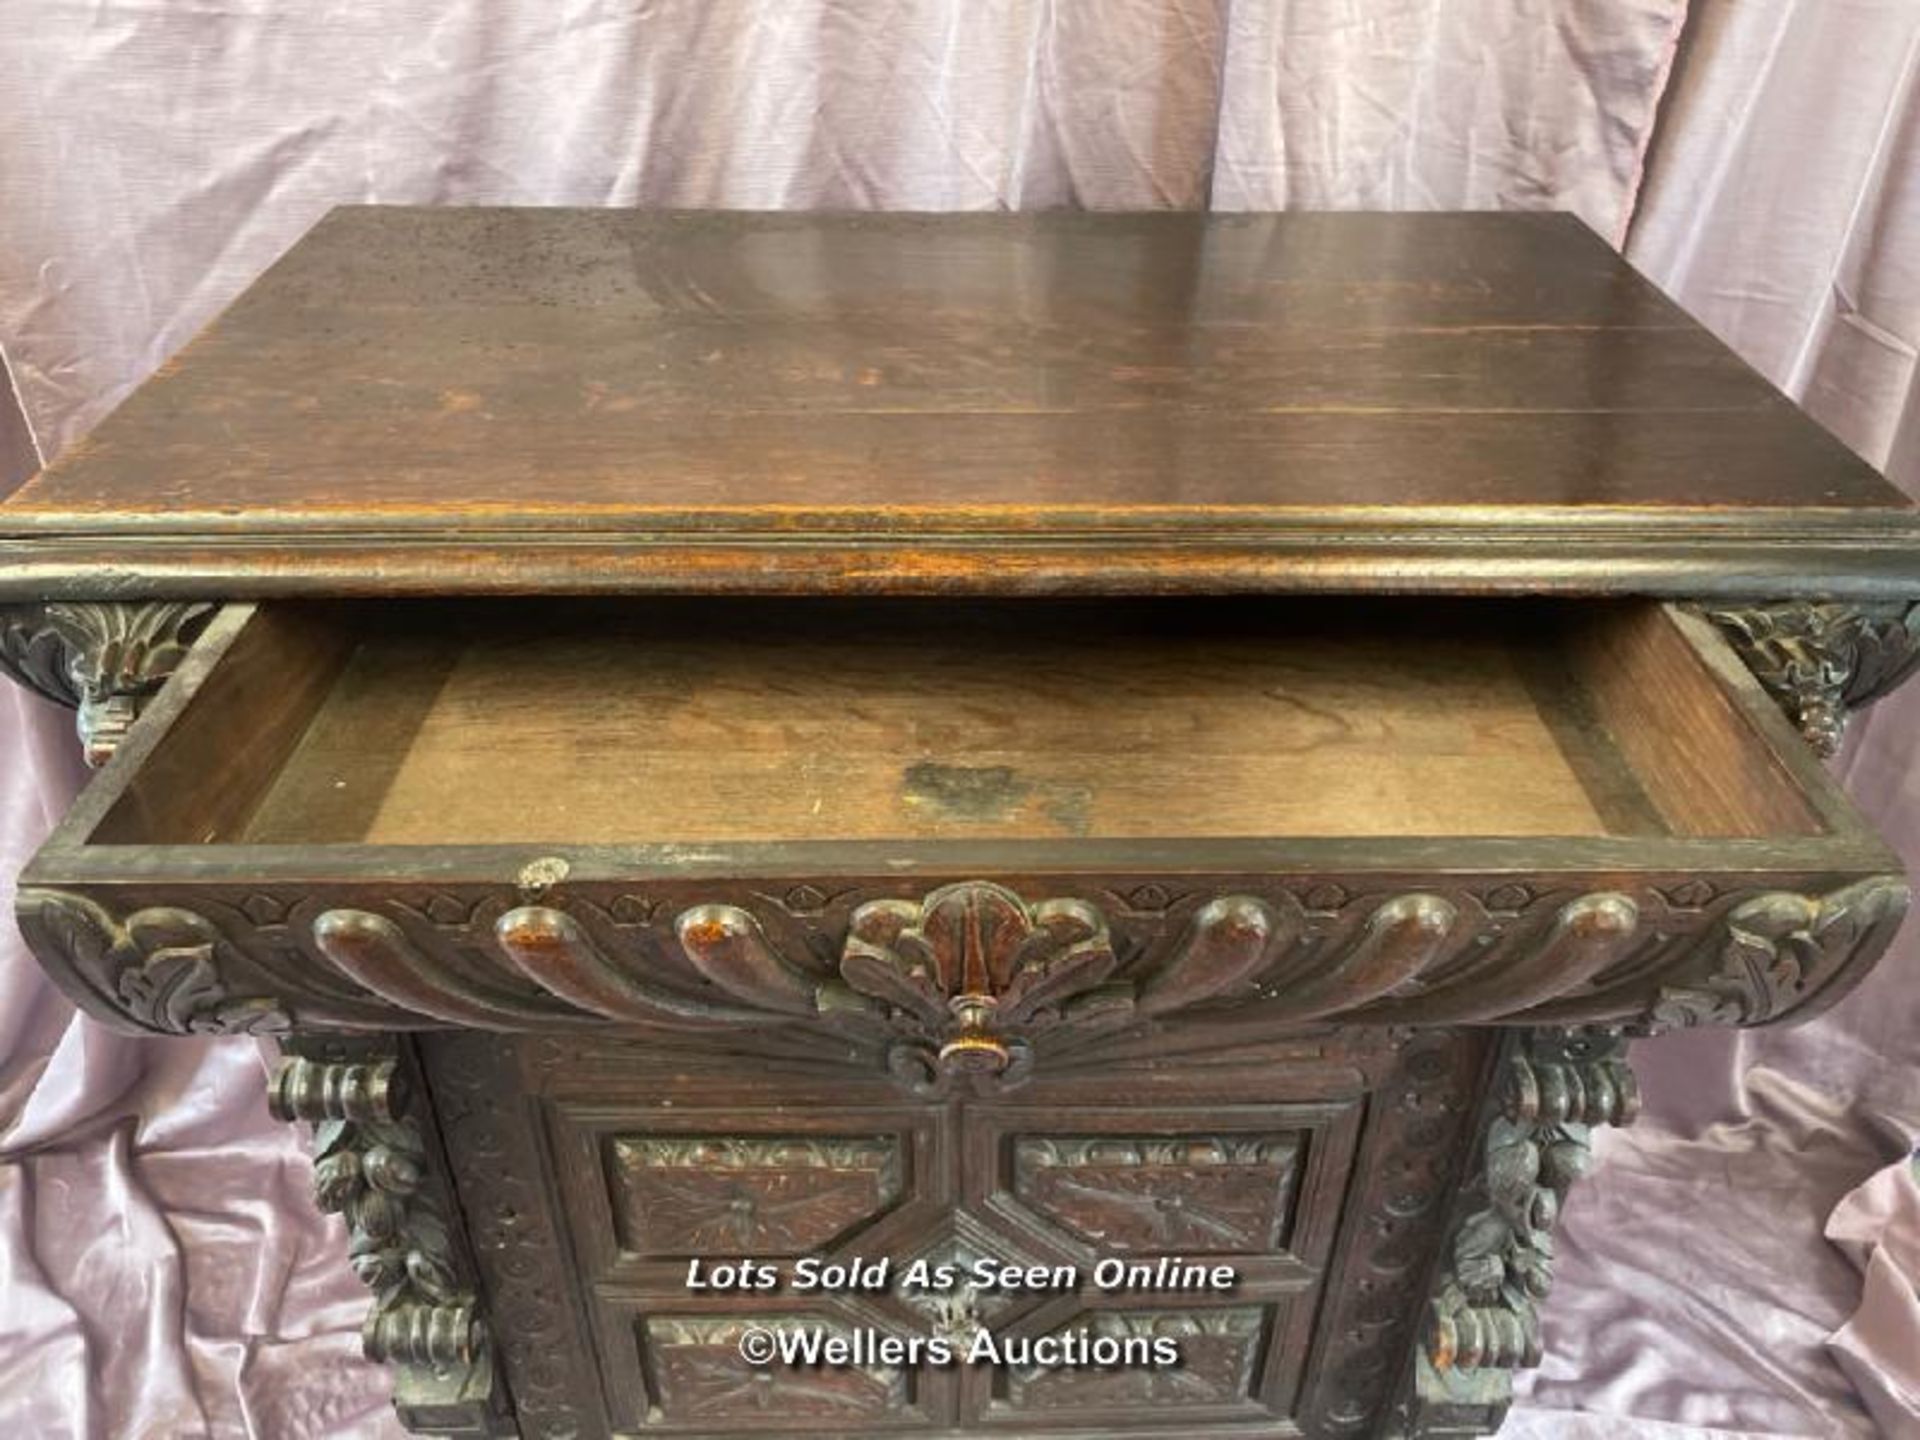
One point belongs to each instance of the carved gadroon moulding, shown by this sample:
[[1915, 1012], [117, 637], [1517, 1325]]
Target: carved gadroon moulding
[[971, 984], [1483, 1321], [372, 1167], [103, 659], [1821, 659]]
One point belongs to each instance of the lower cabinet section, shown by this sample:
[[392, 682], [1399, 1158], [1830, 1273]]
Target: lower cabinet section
[[1240, 1244]]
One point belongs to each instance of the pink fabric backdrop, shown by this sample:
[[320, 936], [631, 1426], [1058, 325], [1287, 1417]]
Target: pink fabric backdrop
[[161, 1270]]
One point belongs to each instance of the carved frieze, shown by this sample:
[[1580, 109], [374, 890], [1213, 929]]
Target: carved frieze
[[104, 659], [971, 983], [1398, 1211], [514, 1232], [1555, 1088], [1821, 659]]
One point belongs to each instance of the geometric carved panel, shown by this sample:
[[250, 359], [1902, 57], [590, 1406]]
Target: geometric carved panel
[[1219, 1353], [735, 1196], [699, 1376], [1199, 1194]]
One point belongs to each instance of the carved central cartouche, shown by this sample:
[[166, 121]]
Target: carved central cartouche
[[976, 971], [959, 985]]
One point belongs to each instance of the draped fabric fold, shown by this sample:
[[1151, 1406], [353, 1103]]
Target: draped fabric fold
[[1877, 1226], [162, 1272]]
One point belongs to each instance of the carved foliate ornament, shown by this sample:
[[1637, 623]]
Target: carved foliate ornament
[[1141, 1194], [103, 659], [1219, 1355], [161, 967], [701, 1378], [973, 970], [1555, 1088], [1820, 659], [1772, 947], [372, 1167], [680, 1195]]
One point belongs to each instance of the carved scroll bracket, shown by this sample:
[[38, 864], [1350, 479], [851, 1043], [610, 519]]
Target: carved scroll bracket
[[104, 659], [1483, 1321], [1821, 659], [373, 1165]]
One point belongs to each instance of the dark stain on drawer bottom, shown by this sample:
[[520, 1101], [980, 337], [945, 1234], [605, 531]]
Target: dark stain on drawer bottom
[[992, 795]]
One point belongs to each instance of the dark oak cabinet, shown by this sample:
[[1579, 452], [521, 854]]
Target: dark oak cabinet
[[1085, 750]]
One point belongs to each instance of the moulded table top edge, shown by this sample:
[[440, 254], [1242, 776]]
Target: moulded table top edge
[[1845, 560]]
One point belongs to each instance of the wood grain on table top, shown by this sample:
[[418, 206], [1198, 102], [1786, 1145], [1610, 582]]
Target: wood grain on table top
[[810, 385]]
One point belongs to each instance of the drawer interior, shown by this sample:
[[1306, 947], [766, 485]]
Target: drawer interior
[[679, 723]]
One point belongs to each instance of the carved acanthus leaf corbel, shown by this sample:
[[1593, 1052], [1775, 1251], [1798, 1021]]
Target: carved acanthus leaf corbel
[[1820, 659], [104, 659]]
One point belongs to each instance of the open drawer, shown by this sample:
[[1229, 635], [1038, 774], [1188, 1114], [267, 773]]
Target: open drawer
[[960, 836]]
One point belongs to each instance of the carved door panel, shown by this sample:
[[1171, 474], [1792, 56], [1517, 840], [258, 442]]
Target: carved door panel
[[652, 1191], [1136, 1193], [595, 1175]]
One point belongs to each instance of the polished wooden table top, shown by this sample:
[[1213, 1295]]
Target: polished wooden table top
[[467, 400]]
